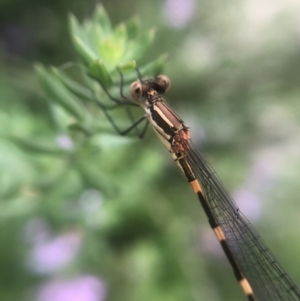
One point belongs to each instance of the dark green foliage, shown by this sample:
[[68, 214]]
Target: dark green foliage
[[235, 80]]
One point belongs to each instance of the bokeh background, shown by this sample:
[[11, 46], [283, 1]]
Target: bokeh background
[[117, 221]]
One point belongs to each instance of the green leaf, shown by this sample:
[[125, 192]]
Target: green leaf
[[94, 178], [85, 54], [151, 69], [101, 17], [98, 71], [132, 27], [74, 87], [127, 67], [155, 67], [58, 93], [33, 145], [75, 126], [111, 52], [96, 39], [120, 32], [79, 37], [137, 47], [73, 25]]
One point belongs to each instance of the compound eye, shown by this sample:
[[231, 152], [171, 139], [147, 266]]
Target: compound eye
[[136, 90], [163, 83]]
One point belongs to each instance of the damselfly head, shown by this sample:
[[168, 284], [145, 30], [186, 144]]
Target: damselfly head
[[162, 84], [136, 90], [140, 88]]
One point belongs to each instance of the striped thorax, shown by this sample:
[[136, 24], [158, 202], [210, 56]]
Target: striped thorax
[[171, 130]]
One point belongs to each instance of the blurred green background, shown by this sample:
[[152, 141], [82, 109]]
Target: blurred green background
[[111, 218]]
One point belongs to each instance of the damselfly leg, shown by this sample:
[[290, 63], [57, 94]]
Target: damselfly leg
[[125, 103]]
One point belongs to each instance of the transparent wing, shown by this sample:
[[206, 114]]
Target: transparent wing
[[267, 278]]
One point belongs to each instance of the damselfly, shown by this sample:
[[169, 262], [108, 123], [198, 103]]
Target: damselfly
[[255, 268]]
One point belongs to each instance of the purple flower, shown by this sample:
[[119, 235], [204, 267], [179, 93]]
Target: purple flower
[[50, 255], [65, 142], [177, 13], [83, 288]]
